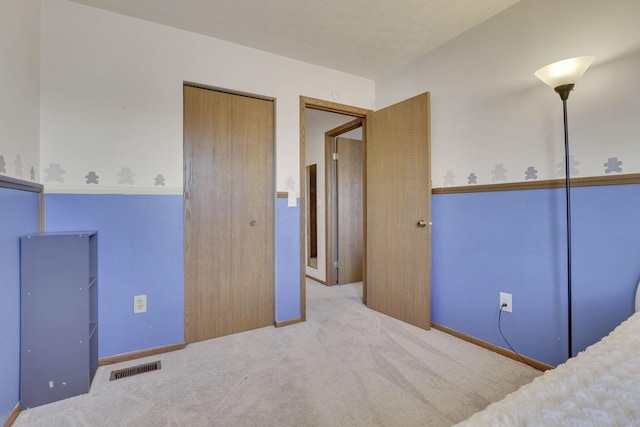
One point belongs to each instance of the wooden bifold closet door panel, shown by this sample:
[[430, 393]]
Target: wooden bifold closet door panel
[[229, 201]]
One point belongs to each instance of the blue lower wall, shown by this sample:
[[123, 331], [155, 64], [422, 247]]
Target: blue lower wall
[[287, 261], [483, 243], [141, 252], [606, 253], [515, 242], [19, 215]]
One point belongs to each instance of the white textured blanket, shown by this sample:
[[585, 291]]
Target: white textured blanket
[[599, 387]]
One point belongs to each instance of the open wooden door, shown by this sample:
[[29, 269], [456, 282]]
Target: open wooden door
[[349, 207], [398, 215]]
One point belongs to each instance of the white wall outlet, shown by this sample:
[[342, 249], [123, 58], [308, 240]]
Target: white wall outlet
[[505, 298], [139, 304]]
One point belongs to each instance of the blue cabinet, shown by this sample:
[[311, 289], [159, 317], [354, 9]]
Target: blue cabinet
[[59, 316]]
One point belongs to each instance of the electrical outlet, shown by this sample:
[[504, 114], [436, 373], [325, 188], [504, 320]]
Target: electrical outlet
[[139, 304], [505, 298]]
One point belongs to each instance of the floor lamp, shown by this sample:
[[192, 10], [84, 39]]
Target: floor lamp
[[562, 76]]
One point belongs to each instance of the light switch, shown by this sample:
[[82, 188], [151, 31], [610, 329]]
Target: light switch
[[293, 200]]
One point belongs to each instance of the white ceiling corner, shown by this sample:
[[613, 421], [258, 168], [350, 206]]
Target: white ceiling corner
[[368, 38]]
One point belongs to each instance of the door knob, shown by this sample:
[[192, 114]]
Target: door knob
[[422, 223], [253, 223]]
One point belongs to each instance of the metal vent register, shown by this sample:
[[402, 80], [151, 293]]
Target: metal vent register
[[135, 370]]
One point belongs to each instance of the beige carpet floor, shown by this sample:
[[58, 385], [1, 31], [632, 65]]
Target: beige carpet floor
[[345, 366]]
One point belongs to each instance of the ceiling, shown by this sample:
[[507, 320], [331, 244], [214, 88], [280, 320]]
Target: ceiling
[[368, 38]]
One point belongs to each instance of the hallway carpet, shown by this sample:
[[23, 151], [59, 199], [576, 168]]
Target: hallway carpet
[[345, 366]]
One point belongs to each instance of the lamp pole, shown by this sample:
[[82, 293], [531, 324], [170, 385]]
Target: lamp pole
[[564, 91], [562, 77]]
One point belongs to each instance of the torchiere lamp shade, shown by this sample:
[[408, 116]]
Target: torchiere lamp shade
[[565, 72]]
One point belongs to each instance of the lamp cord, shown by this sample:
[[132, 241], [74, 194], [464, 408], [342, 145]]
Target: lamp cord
[[505, 339]]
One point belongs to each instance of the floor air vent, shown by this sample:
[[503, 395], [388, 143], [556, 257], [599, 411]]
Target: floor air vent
[[135, 370]]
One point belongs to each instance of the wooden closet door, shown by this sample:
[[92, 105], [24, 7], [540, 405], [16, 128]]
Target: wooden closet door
[[228, 213]]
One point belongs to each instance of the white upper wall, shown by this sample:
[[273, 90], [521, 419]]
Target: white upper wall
[[489, 109], [112, 98], [19, 88]]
